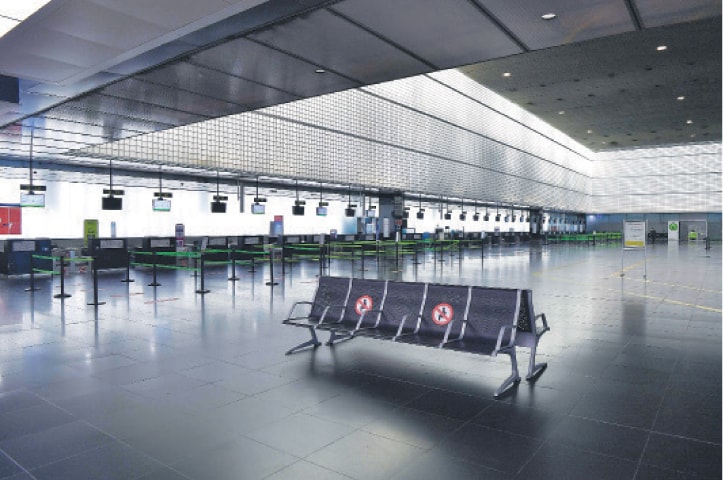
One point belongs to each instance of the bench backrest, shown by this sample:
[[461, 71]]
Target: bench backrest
[[443, 304], [402, 298], [489, 310], [331, 291], [364, 295], [526, 318]]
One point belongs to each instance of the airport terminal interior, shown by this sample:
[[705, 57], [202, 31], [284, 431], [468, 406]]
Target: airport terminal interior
[[360, 239]]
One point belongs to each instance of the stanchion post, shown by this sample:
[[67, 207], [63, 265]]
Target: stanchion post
[[94, 270], [32, 287], [233, 277], [271, 281], [128, 278], [154, 283], [62, 295], [321, 260], [203, 289]]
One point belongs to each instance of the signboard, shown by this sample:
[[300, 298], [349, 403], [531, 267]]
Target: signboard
[[673, 231], [634, 234], [11, 221], [180, 234], [90, 230]]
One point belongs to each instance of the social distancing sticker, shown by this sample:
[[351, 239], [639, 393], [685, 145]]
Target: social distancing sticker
[[363, 304], [442, 314]]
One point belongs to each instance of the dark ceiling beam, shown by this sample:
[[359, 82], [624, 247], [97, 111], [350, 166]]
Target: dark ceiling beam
[[485, 11], [634, 14]]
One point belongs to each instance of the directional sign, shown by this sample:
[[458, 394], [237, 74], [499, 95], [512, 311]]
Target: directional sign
[[442, 314], [363, 304]]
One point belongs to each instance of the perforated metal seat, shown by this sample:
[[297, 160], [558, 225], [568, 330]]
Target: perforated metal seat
[[344, 320], [403, 300], [445, 308]]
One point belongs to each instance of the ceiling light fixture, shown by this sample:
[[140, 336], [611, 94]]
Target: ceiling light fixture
[[548, 16], [507, 74], [689, 122], [662, 48], [681, 98], [320, 70], [589, 131], [561, 112]]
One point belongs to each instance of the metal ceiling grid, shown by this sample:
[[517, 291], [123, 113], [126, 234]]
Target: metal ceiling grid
[[421, 27]]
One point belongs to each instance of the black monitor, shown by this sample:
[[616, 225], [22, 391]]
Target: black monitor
[[297, 210], [420, 215], [218, 207], [350, 212], [112, 203]]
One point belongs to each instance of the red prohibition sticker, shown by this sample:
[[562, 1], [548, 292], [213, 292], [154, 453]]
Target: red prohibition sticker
[[363, 304], [442, 314]]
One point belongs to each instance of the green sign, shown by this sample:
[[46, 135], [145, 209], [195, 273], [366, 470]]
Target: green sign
[[673, 226]]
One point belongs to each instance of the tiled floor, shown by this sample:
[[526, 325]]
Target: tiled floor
[[169, 384]]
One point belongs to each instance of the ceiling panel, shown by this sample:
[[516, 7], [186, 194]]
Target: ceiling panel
[[215, 84], [655, 13], [576, 21], [251, 60], [445, 34], [333, 43], [114, 125], [163, 96], [622, 100], [171, 14]]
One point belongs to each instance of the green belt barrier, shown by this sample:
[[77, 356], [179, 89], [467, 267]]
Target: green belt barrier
[[51, 272], [217, 262], [46, 257], [171, 267], [78, 259]]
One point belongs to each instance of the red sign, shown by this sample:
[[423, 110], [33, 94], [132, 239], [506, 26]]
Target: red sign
[[363, 304], [442, 314], [11, 221]]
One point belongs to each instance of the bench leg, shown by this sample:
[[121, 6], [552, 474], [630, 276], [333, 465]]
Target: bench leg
[[333, 336], [314, 342], [534, 369], [513, 379]]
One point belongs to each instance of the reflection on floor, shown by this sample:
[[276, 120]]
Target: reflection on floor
[[165, 383]]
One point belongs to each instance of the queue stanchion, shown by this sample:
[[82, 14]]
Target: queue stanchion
[[94, 270], [202, 290], [361, 250], [155, 282], [32, 287], [253, 262], [271, 282], [233, 276], [128, 278], [62, 295], [321, 260]]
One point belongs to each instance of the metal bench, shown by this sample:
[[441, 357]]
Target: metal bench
[[478, 320]]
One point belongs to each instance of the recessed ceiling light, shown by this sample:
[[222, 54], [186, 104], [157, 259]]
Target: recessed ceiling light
[[320, 70], [589, 131], [561, 112], [548, 16], [507, 74], [692, 135], [661, 48], [689, 122], [681, 98]]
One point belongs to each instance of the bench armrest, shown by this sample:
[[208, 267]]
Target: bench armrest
[[326, 310], [501, 336], [290, 316], [545, 326]]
